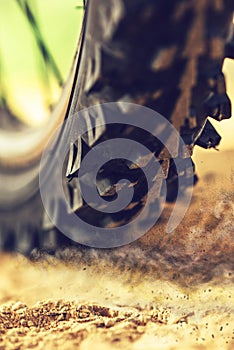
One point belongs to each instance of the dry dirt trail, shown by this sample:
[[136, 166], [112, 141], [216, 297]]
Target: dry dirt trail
[[160, 292]]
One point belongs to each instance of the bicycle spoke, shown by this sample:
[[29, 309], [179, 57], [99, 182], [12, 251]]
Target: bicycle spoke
[[43, 48]]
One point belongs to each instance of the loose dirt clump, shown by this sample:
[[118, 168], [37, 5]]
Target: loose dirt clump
[[63, 324]]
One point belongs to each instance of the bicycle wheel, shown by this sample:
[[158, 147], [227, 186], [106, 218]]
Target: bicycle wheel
[[166, 55]]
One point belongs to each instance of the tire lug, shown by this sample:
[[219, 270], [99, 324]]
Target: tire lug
[[229, 48], [220, 84], [25, 240], [6, 240], [74, 158], [209, 137], [74, 193], [218, 106], [49, 240]]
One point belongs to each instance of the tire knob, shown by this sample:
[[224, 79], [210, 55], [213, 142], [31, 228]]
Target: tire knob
[[218, 106], [229, 47], [209, 137]]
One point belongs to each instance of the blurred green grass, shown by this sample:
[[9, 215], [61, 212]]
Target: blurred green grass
[[22, 68]]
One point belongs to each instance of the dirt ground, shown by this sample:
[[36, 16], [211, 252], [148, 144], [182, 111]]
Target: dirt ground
[[163, 292]]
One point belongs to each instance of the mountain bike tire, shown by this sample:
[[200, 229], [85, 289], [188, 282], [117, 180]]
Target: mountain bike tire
[[165, 55]]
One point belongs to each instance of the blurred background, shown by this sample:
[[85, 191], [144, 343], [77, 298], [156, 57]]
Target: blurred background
[[37, 45]]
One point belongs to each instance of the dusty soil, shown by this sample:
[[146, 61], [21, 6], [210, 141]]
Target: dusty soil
[[164, 292]]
